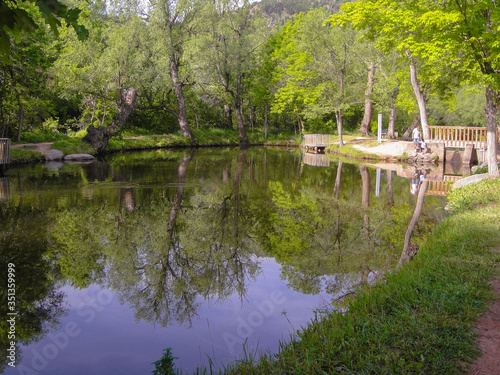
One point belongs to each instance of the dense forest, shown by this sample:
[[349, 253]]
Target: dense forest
[[165, 66]]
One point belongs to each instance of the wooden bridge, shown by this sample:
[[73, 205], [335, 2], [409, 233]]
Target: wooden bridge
[[459, 136], [316, 142], [4, 189], [4, 151], [316, 160], [442, 187]]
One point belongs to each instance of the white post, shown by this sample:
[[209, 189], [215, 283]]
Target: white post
[[377, 185], [380, 128]]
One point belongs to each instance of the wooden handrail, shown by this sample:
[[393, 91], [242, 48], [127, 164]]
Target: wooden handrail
[[459, 136], [317, 140], [4, 150]]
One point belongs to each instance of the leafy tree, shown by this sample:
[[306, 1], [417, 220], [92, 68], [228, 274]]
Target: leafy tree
[[318, 69], [170, 22], [404, 27], [38, 304], [105, 73], [223, 53], [25, 96], [454, 40], [17, 17]]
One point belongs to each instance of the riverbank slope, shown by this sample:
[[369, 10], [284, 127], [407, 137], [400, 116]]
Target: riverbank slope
[[421, 318]]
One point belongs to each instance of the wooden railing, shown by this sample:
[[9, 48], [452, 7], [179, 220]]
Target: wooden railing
[[458, 136], [317, 140], [442, 187], [4, 150], [317, 160], [4, 189]]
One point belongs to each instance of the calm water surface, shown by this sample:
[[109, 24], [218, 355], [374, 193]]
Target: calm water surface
[[204, 252]]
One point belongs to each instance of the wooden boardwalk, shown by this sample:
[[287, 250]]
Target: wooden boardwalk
[[441, 187], [316, 142], [4, 151], [4, 189], [459, 136], [316, 160]]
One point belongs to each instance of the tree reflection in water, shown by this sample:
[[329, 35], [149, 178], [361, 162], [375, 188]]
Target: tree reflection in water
[[161, 256], [38, 304], [170, 232]]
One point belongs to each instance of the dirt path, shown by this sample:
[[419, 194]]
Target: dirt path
[[39, 147], [488, 328]]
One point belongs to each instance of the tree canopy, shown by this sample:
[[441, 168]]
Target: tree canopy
[[272, 66]]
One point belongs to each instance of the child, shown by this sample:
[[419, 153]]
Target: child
[[416, 137]]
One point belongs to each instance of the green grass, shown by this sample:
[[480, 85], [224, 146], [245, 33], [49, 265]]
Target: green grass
[[419, 320], [476, 195], [349, 150], [144, 141], [19, 156], [73, 146]]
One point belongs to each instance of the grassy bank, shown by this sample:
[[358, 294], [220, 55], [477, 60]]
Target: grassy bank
[[134, 141], [130, 140], [420, 319]]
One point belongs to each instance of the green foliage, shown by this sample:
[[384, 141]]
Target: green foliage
[[18, 156], [469, 197], [313, 64], [45, 135], [73, 146], [17, 18], [348, 149], [165, 365]]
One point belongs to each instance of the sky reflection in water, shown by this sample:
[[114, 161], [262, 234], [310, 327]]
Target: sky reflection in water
[[200, 252]]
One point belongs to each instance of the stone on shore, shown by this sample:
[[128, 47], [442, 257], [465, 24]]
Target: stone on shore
[[470, 180], [78, 157], [53, 155]]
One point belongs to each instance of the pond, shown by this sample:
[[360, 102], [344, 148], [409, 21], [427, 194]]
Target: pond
[[213, 253]]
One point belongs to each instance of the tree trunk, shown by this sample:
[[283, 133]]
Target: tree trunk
[[338, 116], [228, 114], [181, 102], [365, 198], [422, 105], [20, 118], [336, 189], [367, 118], [240, 121], [392, 117], [491, 113], [176, 203], [99, 137], [406, 135], [127, 104], [390, 194], [266, 109], [416, 215], [253, 117]]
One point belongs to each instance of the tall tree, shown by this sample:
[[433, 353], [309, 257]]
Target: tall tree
[[456, 40], [319, 72], [17, 17], [171, 20], [476, 35], [24, 78], [224, 52], [105, 73], [404, 27]]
